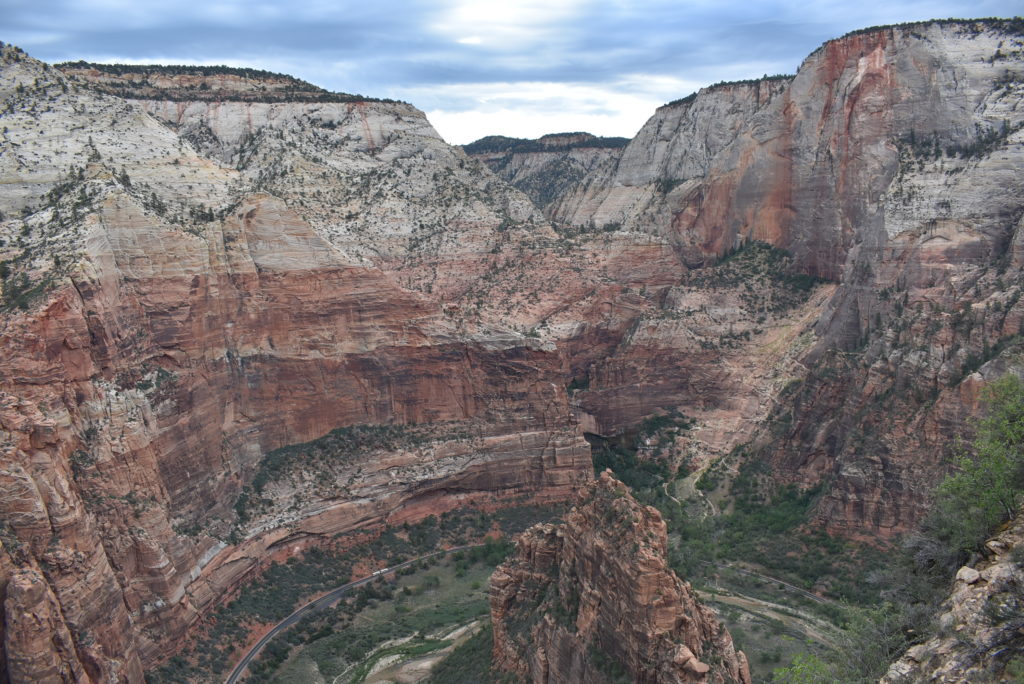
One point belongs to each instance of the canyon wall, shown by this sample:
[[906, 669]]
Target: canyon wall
[[544, 169], [170, 326], [889, 164], [203, 270], [593, 600]]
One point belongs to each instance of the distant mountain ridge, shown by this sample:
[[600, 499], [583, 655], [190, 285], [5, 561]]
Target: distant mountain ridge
[[201, 83], [552, 142]]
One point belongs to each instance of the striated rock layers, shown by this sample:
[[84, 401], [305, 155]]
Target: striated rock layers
[[593, 600], [889, 164], [546, 168], [981, 624], [202, 267], [169, 326]]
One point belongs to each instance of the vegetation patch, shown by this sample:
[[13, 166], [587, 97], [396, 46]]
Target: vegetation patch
[[620, 454], [767, 276], [470, 663], [283, 587]]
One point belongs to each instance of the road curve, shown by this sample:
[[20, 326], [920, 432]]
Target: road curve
[[776, 580], [325, 600]]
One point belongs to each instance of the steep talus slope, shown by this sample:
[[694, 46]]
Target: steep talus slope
[[593, 600], [890, 164], [169, 327]]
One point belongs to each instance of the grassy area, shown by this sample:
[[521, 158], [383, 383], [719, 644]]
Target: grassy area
[[470, 663], [415, 648], [767, 642], [766, 525]]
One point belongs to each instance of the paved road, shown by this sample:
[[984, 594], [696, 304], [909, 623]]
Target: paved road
[[816, 629], [325, 600], [776, 580]]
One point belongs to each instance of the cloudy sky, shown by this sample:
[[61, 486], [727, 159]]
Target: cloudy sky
[[512, 67]]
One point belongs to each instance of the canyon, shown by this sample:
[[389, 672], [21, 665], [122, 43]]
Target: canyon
[[243, 315]]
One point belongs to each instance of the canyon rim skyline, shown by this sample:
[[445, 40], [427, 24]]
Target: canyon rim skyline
[[521, 69]]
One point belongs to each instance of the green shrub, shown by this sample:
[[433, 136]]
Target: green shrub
[[988, 487]]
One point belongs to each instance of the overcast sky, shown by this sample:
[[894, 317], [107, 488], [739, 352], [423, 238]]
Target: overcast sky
[[520, 68]]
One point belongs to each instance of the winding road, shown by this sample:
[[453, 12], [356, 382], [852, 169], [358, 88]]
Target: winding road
[[324, 601], [803, 592], [336, 593]]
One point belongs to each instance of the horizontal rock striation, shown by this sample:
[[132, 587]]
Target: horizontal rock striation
[[206, 269], [889, 164], [544, 169], [594, 599], [169, 327]]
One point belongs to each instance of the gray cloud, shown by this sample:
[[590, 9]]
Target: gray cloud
[[395, 49]]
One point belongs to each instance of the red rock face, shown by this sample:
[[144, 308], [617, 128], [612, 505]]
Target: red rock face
[[139, 401], [582, 600], [39, 647], [342, 266], [883, 165]]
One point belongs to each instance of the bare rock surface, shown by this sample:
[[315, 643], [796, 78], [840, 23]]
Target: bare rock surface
[[203, 269], [584, 600]]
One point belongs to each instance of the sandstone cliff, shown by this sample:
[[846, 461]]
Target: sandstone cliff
[[889, 164], [593, 600], [169, 324], [202, 269], [545, 168]]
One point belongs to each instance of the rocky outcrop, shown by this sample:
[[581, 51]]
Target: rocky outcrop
[[980, 626], [658, 182], [39, 647], [810, 162], [169, 326], [201, 269], [593, 599], [201, 83]]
